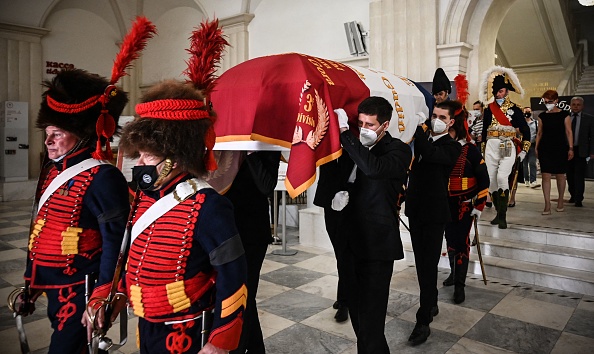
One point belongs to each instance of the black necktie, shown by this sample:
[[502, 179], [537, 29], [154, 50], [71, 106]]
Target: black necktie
[[430, 139], [574, 122]]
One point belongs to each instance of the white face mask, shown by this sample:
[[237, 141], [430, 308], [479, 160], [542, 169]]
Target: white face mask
[[499, 100], [550, 106], [367, 136], [438, 126]]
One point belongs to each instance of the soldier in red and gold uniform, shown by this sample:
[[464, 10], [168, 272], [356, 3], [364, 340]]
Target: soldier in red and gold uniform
[[186, 255], [83, 208], [468, 189], [82, 200], [186, 258]]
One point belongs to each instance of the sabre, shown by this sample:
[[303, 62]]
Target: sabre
[[402, 222], [23, 292], [476, 242], [515, 179], [12, 300], [99, 340]]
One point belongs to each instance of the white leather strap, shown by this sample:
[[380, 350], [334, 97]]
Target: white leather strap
[[66, 175], [182, 192]]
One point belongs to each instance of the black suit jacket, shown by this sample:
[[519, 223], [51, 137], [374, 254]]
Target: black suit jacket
[[427, 193], [586, 136], [372, 219], [254, 183], [333, 178]]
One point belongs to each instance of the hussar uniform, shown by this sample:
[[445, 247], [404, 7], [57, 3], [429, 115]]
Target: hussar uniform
[[467, 190], [185, 262], [83, 202], [78, 231]]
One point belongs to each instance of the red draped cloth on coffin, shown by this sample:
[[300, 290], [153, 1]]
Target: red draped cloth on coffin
[[284, 100]]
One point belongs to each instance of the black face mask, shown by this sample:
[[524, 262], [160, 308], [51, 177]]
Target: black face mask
[[527, 114], [145, 176]]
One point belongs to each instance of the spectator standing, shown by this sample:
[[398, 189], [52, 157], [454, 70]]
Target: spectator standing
[[582, 127], [476, 130], [529, 167], [554, 148]]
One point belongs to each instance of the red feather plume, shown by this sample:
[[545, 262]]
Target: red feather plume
[[134, 42], [461, 88], [206, 49]]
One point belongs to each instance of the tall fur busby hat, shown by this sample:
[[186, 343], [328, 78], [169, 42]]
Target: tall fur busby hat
[[496, 78], [88, 105], [440, 82], [175, 119]]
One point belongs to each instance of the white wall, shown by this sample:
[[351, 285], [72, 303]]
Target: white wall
[[313, 27], [92, 47], [165, 55]]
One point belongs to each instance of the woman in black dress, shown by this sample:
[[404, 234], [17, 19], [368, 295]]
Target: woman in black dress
[[554, 147]]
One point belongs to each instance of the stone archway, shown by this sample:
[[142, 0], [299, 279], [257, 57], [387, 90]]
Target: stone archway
[[474, 25]]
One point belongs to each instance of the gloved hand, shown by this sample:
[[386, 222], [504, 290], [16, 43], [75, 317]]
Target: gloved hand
[[421, 118], [522, 155], [476, 212], [343, 119], [340, 200]]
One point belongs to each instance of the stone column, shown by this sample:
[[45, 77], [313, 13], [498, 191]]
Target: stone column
[[403, 37], [453, 58], [236, 30], [21, 74]]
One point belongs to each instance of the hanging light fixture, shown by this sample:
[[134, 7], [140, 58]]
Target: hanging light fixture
[[586, 2]]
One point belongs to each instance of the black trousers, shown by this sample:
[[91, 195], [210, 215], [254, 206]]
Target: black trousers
[[368, 285], [251, 340], [576, 174], [65, 307], [159, 338], [426, 240], [334, 219], [457, 232]]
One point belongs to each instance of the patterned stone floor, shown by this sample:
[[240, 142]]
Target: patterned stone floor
[[297, 292]]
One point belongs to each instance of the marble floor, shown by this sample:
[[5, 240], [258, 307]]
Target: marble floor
[[297, 292]]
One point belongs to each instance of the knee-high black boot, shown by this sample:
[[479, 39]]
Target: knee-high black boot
[[450, 279], [502, 211], [495, 199], [460, 279]]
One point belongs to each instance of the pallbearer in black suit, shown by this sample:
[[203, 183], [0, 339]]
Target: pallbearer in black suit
[[334, 178], [427, 207], [501, 120], [254, 182], [371, 218], [582, 125]]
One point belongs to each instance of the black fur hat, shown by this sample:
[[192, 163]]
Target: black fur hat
[[440, 82], [74, 88]]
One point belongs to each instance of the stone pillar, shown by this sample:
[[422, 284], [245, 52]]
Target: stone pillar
[[236, 30], [403, 37], [21, 74], [453, 58]]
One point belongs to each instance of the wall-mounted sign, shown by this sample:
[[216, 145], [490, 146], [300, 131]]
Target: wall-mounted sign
[[52, 67]]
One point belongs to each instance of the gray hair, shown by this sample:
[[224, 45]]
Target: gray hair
[[578, 98]]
